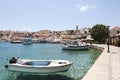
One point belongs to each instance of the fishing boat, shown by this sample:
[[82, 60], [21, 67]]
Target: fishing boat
[[38, 66], [75, 45]]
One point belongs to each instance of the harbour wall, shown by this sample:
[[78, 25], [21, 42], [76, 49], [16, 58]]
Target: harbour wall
[[99, 70]]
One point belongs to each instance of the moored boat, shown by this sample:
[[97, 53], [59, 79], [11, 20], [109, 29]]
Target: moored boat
[[38, 66], [56, 41], [75, 45], [16, 41], [27, 40]]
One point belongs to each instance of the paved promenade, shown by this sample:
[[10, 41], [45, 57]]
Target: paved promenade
[[107, 66]]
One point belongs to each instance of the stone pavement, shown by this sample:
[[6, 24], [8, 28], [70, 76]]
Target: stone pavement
[[107, 66]]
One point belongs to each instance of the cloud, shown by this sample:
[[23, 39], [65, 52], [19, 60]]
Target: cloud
[[84, 8]]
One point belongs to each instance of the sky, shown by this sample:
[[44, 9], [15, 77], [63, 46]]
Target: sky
[[35, 15]]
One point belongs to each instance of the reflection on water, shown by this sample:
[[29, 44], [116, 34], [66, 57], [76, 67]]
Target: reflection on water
[[23, 76]]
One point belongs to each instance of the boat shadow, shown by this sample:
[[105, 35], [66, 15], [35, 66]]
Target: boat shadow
[[75, 51], [42, 77]]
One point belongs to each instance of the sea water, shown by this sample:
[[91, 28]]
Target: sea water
[[82, 60]]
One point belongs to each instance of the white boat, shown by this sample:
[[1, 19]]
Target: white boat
[[27, 40], [75, 45], [38, 66], [56, 41]]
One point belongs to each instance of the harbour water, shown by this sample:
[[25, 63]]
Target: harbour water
[[82, 60]]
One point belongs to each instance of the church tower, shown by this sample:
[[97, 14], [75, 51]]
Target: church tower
[[76, 31]]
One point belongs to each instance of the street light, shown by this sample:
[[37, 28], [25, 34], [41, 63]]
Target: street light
[[110, 64], [108, 39]]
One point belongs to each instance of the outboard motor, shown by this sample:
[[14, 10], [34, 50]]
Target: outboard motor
[[6, 66], [13, 60]]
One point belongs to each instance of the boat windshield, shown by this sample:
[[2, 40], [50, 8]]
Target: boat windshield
[[37, 63]]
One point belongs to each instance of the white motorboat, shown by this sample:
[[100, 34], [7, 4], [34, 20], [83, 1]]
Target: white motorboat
[[27, 40], [38, 66], [75, 45]]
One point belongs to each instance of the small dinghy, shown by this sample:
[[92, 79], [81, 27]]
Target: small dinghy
[[38, 66]]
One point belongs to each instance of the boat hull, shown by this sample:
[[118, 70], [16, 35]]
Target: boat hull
[[75, 47], [51, 68], [39, 69], [27, 40]]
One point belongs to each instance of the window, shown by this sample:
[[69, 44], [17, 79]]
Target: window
[[118, 32]]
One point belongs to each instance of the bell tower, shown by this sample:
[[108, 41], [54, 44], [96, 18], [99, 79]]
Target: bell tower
[[76, 31]]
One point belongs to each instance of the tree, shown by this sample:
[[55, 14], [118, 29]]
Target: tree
[[99, 33]]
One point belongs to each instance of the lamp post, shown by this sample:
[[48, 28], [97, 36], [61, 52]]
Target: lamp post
[[108, 40], [110, 57]]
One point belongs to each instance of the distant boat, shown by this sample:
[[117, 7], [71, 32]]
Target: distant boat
[[38, 66], [35, 40], [75, 45], [56, 41], [16, 41], [43, 41], [27, 40]]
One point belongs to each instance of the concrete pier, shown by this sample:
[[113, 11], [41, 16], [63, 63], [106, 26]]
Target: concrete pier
[[107, 66]]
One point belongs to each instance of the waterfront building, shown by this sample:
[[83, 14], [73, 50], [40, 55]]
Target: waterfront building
[[115, 36], [65, 37], [85, 31]]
